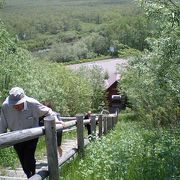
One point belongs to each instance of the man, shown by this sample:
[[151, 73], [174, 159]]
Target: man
[[22, 112], [88, 126], [58, 121]]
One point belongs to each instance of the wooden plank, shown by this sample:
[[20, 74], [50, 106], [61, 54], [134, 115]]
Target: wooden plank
[[69, 129], [80, 134], [100, 125], [67, 125], [11, 138], [11, 178], [86, 121], [13, 173], [68, 118], [113, 122], [51, 146], [108, 123], [93, 125], [67, 156], [40, 175], [105, 124]]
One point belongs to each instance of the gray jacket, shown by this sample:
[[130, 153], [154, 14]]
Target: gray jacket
[[27, 118]]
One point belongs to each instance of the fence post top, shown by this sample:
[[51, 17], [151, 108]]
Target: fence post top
[[49, 118]]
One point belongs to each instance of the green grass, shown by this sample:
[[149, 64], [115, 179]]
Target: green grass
[[8, 158], [131, 152], [60, 25]]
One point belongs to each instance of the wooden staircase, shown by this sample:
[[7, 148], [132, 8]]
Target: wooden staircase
[[18, 174]]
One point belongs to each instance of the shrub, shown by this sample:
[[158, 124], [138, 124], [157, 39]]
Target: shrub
[[128, 52]]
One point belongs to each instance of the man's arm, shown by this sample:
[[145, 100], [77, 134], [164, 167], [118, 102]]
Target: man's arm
[[3, 122], [42, 110]]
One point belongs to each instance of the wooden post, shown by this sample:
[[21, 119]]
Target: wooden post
[[93, 125], [80, 134], [116, 118], [100, 125], [108, 123], [51, 145], [105, 124], [113, 122]]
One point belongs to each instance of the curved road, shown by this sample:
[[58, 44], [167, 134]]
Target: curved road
[[109, 65]]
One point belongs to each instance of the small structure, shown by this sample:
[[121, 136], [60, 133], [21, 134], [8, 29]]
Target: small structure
[[110, 67], [115, 100]]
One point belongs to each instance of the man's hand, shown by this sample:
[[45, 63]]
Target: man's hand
[[60, 122]]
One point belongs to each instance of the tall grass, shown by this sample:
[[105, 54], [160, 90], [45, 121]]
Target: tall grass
[[132, 151], [8, 158]]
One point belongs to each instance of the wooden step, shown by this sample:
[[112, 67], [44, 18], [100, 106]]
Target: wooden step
[[11, 178]]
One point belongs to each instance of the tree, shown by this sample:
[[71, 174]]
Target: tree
[[152, 80], [95, 77], [68, 91], [2, 3]]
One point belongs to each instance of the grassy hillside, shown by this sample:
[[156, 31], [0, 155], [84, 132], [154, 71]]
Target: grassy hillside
[[36, 3], [85, 29], [132, 152]]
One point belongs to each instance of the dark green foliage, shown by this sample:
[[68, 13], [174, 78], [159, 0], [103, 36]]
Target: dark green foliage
[[152, 80], [8, 158], [73, 30], [130, 152], [68, 91], [95, 76], [12, 63], [2, 3]]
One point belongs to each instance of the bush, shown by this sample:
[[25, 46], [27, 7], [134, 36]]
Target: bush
[[129, 152], [67, 90], [151, 81], [8, 158], [128, 52]]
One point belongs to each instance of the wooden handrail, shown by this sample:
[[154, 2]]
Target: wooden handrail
[[11, 138]]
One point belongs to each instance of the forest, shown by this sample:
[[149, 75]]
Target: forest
[[73, 30], [145, 144]]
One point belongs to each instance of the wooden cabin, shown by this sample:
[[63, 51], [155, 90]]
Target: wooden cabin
[[116, 101]]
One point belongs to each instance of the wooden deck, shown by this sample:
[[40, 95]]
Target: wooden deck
[[18, 174]]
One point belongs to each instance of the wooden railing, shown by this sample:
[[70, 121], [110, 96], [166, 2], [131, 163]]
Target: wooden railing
[[106, 122]]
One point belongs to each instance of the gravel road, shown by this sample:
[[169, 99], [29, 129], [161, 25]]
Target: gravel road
[[108, 65]]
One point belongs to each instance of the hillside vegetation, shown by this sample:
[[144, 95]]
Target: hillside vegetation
[[152, 81], [69, 91], [71, 30], [145, 143], [131, 152]]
